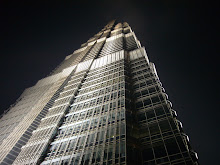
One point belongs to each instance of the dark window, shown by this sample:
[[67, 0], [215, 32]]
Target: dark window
[[173, 125], [159, 149], [147, 102], [155, 99], [137, 94], [161, 97], [144, 131], [147, 76], [141, 117], [136, 86], [144, 92], [181, 143], [141, 77], [139, 104], [154, 129], [164, 125], [172, 146], [147, 154], [159, 111], [151, 90], [166, 109], [150, 114], [149, 82]]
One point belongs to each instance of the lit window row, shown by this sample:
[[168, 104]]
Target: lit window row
[[109, 154], [98, 101], [107, 80], [104, 85], [105, 71], [109, 95], [91, 125], [103, 136], [49, 121], [102, 77]]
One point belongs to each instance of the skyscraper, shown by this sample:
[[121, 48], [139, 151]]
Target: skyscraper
[[104, 104]]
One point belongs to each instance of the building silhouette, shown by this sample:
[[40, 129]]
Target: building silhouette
[[104, 104]]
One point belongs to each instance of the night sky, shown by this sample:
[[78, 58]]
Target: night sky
[[180, 38]]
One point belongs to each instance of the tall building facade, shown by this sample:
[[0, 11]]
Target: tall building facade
[[104, 104]]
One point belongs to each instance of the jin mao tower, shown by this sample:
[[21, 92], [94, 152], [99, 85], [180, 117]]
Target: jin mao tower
[[104, 104]]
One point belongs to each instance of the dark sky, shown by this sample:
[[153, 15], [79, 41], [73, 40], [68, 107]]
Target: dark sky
[[180, 38]]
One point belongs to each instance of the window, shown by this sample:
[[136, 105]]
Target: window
[[141, 117], [147, 154], [155, 99], [138, 94], [150, 114], [144, 92], [159, 111], [164, 125], [154, 129], [71, 145], [147, 102], [159, 149], [181, 144], [122, 149], [139, 104], [122, 129], [172, 146]]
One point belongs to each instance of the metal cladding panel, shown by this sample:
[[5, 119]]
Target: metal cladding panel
[[68, 70], [129, 34], [36, 110], [102, 61], [83, 66], [105, 60], [114, 37], [138, 53], [101, 39], [79, 50], [67, 57], [107, 31], [91, 43], [16, 114], [49, 80], [113, 31], [108, 59]]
